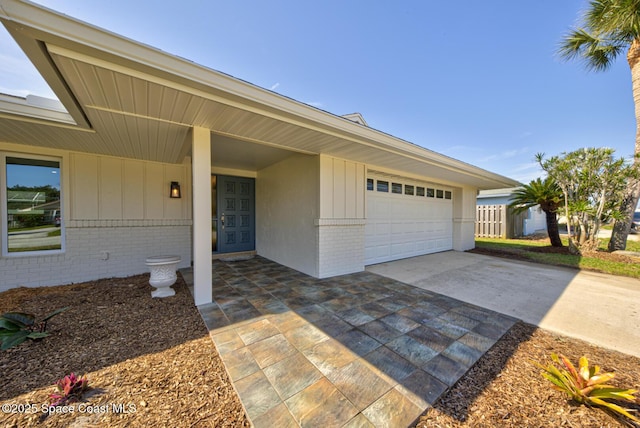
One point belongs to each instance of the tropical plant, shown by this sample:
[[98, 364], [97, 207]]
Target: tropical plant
[[610, 28], [69, 389], [16, 327], [548, 195], [586, 385], [593, 183]]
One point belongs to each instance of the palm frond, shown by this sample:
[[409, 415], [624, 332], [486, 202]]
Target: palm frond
[[597, 53]]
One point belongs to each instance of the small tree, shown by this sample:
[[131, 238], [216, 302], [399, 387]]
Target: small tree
[[607, 30], [548, 195], [593, 184]]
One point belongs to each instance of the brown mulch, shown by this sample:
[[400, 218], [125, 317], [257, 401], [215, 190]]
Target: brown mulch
[[505, 388], [154, 358], [150, 357]]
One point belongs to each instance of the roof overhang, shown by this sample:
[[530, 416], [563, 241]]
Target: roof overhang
[[127, 99]]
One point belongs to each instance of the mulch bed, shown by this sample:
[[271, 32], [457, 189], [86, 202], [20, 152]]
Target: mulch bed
[[154, 358]]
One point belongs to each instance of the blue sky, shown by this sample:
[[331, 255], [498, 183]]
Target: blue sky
[[477, 81]]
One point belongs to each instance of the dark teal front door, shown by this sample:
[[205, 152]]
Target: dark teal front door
[[236, 214]]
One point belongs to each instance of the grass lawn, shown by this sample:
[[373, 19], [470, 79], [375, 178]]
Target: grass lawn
[[540, 251]]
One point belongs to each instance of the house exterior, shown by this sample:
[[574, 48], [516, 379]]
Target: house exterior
[[528, 223], [320, 193]]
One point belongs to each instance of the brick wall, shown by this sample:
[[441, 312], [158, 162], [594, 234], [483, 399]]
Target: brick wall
[[341, 246], [100, 249]]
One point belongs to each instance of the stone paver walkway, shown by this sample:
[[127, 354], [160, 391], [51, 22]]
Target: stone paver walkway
[[355, 350]]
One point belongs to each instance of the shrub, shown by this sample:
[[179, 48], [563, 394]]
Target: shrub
[[587, 386], [16, 327], [69, 389]]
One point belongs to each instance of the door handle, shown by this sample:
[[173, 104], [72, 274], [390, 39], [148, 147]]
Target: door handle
[[222, 219]]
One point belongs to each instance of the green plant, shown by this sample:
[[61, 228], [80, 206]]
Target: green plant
[[69, 389], [16, 327], [586, 385]]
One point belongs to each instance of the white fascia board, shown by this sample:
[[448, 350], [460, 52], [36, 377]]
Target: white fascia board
[[21, 107]]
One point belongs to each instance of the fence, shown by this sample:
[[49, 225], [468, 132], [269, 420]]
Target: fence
[[496, 221]]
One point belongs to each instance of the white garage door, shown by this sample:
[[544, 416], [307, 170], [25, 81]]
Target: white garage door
[[406, 219]]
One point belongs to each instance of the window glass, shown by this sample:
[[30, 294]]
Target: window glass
[[420, 191], [383, 186], [430, 193], [33, 220], [396, 188], [439, 194], [369, 183], [408, 189], [447, 194]]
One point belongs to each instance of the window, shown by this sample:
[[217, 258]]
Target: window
[[408, 189], [430, 193], [447, 194], [369, 183], [31, 214], [420, 191], [439, 194], [383, 186], [396, 188]]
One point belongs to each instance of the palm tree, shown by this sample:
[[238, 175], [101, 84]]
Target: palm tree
[[548, 195], [609, 28]]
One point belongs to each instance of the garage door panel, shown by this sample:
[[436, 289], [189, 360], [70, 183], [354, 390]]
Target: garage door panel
[[400, 226]]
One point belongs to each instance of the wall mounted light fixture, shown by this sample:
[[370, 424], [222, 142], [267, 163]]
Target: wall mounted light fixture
[[174, 192]]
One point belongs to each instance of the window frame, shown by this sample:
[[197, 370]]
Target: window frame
[[4, 218]]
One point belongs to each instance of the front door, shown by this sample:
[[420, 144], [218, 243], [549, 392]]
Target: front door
[[235, 214]]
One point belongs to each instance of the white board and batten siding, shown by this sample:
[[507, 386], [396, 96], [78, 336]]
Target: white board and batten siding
[[416, 221]]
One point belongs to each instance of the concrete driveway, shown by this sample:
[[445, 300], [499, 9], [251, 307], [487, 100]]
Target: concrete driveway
[[598, 308]]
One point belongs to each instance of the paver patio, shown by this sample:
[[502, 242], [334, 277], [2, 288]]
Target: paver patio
[[355, 350]]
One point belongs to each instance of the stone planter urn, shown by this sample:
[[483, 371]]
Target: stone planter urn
[[163, 274]]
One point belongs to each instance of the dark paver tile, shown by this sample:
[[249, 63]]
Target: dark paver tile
[[445, 369], [443, 327], [417, 314], [390, 363], [425, 389], [463, 354], [380, 331], [240, 315], [477, 341], [332, 325], [213, 316], [400, 323], [375, 310], [313, 313], [355, 316], [460, 320], [358, 342], [490, 330], [412, 350], [431, 338]]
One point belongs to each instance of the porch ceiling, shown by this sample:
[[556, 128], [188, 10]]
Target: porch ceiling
[[133, 101]]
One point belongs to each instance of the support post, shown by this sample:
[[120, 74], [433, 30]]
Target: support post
[[201, 175]]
